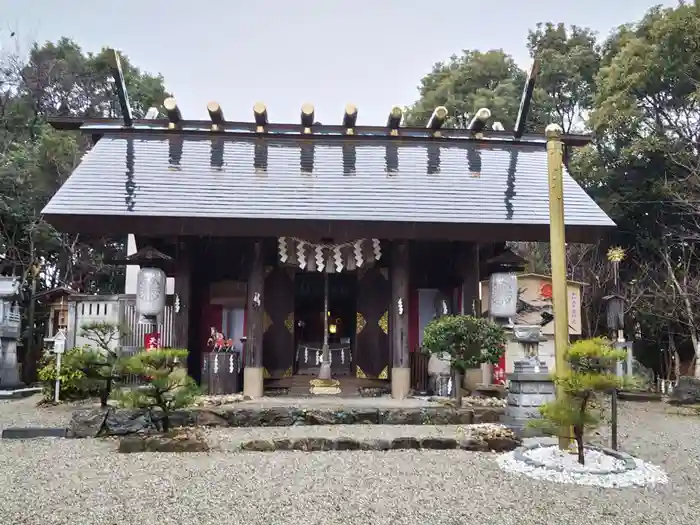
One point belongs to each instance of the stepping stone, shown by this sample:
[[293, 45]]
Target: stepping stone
[[30, 433]]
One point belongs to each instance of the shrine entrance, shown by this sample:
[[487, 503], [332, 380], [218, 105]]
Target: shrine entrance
[[309, 308]]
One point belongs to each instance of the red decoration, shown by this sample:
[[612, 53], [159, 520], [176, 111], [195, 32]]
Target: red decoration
[[151, 341], [499, 371], [546, 291]]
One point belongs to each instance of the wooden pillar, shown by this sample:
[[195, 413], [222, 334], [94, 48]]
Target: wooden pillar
[[255, 308], [398, 325], [469, 265], [471, 281], [183, 298]]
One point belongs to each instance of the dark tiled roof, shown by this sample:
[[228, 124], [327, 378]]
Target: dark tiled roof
[[164, 175]]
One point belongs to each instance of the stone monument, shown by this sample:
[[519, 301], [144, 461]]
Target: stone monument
[[530, 387], [10, 331]]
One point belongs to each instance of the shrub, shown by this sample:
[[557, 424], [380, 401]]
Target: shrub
[[592, 372], [101, 365], [74, 384], [168, 386], [468, 341]]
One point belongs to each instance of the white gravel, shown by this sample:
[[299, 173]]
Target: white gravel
[[575, 473], [81, 482], [552, 457]]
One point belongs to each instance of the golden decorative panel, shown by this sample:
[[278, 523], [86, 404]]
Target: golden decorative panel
[[360, 323], [384, 272], [359, 373], [289, 322], [266, 374], [267, 322], [384, 374], [288, 372], [384, 322]]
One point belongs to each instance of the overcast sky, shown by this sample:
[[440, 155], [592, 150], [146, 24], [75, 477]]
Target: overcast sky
[[287, 52]]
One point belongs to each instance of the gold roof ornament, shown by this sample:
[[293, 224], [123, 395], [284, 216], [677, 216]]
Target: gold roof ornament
[[616, 254]]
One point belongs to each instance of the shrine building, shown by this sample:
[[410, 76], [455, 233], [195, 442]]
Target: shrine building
[[289, 234]]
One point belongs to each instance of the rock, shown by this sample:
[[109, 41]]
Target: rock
[[210, 418], [438, 443], [474, 445], [312, 444], [425, 416], [268, 417], [405, 443], [375, 444], [122, 421], [163, 443], [498, 437], [258, 445], [346, 444], [503, 444], [283, 444], [87, 422], [487, 415], [686, 392], [357, 415], [320, 417]]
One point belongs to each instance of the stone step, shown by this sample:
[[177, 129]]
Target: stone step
[[477, 438], [92, 422]]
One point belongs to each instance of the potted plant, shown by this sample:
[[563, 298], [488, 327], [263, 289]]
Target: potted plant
[[468, 342]]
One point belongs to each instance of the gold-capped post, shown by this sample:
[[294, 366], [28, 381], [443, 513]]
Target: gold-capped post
[[557, 248], [172, 111], [394, 120], [350, 119], [260, 114], [307, 117], [437, 120], [478, 123], [216, 115]]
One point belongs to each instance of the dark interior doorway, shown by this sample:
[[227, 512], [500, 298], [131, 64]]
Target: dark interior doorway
[[308, 319]]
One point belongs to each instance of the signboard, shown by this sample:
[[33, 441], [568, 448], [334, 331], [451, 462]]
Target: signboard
[[151, 341], [59, 342]]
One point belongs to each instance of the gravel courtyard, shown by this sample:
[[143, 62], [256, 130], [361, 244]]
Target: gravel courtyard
[[76, 482]]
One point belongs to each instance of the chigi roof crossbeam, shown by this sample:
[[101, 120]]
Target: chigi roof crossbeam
[[479, 129]]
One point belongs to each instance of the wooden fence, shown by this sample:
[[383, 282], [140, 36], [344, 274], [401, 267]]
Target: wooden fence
[[419, 370]]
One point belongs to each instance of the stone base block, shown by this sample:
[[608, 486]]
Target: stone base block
[[253, 382], [400, 382]]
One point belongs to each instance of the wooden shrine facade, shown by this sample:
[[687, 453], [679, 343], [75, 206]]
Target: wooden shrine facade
[[218, 197], [379, 298]]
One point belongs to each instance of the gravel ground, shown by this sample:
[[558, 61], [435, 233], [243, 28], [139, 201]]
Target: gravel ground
[[76, 482]]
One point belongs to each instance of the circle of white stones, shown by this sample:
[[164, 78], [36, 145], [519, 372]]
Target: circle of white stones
[[625, 461]]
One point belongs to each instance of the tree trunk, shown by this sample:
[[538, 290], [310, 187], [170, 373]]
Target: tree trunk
[[104, 397], [578, 435], [457, 380], [683, 292]]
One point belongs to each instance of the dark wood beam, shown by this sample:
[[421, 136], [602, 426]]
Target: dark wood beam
[[255, 307], [468, 268], [280, 132], [398, 323], [120, 84], [526, 99]]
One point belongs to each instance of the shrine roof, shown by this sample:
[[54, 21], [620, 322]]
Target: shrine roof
[[180, 183]]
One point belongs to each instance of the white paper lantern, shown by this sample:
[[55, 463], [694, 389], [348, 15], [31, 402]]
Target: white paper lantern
[[150, 292], [503, 295]]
